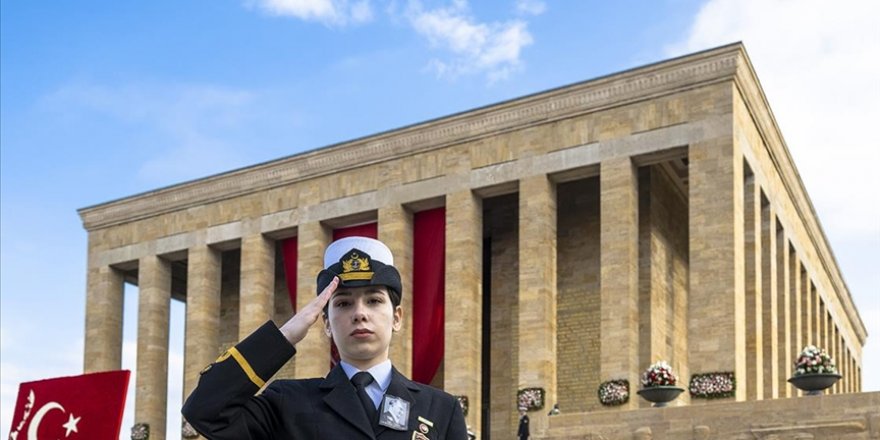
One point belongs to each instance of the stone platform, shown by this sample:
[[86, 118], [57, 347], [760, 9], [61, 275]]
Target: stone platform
[[842, 416]]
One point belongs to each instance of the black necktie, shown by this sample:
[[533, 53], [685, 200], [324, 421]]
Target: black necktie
[[360, 381]]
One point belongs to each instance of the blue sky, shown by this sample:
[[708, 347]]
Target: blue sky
[[101, 100]]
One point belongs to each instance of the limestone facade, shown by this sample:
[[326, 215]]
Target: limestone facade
[[591, 230]]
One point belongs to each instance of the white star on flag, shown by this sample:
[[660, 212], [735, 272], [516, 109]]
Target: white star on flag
[[71, 425]]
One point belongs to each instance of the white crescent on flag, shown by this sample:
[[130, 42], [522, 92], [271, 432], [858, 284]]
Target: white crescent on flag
[[38, 418]]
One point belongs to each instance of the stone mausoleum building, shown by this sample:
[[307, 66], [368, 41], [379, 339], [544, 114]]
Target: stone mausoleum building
[[584, 233]]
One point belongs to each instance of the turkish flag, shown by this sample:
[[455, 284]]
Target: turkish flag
[[76, 407]]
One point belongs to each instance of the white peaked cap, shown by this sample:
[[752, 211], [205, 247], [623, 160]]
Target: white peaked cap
[[372, 247]]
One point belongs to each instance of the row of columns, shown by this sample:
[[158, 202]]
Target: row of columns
[[784, 309], [735, 272]]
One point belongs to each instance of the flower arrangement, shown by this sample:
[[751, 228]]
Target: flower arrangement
[[658, 375], [530, 399], [464, 403], [614, 392], [187, 431], [713, 385], [140, 431], [813, 360]]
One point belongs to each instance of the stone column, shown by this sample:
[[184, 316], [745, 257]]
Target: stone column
[[202, 341], [850, 384], [464, 301], [784, 301], [770, 301], [257, 290], [396, 231], [855, 377], [850, 373], [618, 240], [313, 352], [104, 310], [806, 310], [835, 353], [754, 283], [815, 317], [716, 306], [154, 302], [858, 378], [536, 336], [797, 312]]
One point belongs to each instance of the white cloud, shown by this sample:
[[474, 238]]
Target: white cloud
[[475, 47], [330, 12], [819, 64], [530, 7]]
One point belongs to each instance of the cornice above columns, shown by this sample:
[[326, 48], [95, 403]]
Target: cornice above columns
[[633, 85]]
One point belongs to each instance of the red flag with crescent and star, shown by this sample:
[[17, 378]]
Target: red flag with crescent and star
[[89, 407]]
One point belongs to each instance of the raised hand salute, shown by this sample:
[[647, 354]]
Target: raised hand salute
[[297, 327]]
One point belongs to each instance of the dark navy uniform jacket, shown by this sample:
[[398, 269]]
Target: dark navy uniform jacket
[[224, 404]]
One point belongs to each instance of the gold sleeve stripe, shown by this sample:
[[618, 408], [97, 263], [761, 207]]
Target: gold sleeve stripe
[[246, 367]]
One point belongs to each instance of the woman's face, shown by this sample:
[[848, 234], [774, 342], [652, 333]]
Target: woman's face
[[361, 321]]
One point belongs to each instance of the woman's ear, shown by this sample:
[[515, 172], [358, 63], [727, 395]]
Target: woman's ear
[[326, 325], [398, 319]]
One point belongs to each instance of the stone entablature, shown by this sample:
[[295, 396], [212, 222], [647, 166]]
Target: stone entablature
[[562, 103]]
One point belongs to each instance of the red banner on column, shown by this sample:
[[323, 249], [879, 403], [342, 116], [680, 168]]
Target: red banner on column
[[87, 407], [429, 294], [369, 230], [288, 260]]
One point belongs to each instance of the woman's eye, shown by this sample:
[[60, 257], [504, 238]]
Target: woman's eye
[[342, 304]]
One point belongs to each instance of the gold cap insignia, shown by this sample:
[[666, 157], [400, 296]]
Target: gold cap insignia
[[356, 267]]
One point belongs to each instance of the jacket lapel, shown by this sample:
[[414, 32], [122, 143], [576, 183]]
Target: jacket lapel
[[405, 389], [342, 398]]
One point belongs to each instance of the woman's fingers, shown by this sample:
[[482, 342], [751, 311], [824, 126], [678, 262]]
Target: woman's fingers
[[296, 327], [325, 295]]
